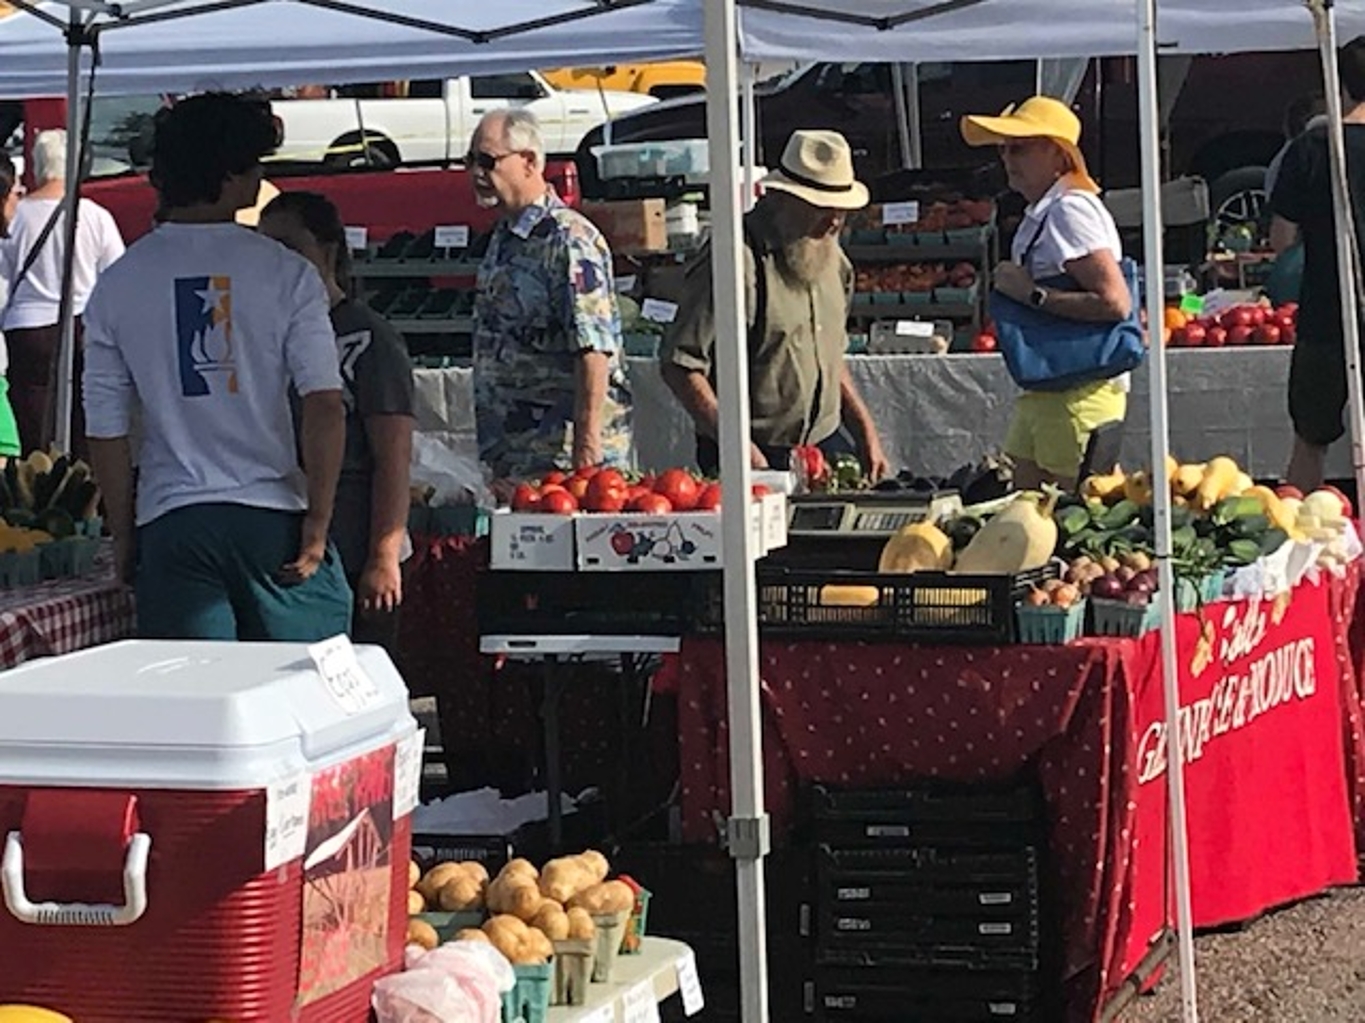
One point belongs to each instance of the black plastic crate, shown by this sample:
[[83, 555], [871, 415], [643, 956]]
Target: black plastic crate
[[582, 828], [921, 607], [876, 869], [931, 814], [608, 603], [925, 996], [917, 929]]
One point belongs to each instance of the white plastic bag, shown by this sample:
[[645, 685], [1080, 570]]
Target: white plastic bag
[[422, 996], [455, 476]]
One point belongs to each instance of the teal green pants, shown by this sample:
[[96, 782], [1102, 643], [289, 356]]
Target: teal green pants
[[210, 571]]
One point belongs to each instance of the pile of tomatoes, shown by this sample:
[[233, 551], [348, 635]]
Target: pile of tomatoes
[[1240, 325], [595, 489]]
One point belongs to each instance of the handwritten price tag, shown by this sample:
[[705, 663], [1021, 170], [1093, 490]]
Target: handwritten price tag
[[286, 819], [689, 985], [343, 676], [900, 213], [640, 1004], [453, 237], [407, 773], [658, 310], [357, 238]]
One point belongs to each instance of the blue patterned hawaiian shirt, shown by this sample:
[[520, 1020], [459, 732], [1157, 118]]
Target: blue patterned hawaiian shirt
[[545, 295]]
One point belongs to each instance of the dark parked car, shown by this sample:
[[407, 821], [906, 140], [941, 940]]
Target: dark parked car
[[1223, 117]]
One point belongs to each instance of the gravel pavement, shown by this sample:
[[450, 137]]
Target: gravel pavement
[[1302, 964]]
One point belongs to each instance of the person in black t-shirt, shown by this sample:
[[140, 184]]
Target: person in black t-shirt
[[369, 525], [1302, 202]]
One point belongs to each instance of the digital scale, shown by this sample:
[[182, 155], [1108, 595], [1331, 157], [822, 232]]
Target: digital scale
[[867, 512]]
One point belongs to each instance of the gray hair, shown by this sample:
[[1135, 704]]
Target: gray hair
[[49, 156], [521, 130]]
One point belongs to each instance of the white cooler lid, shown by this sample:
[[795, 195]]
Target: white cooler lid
[[182, 714]]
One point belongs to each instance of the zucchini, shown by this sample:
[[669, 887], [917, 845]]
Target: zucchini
[[1122, 514], [1242, 552], [1273, 539]]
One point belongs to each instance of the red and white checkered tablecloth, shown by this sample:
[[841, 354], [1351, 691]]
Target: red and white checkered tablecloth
[[63, 615]]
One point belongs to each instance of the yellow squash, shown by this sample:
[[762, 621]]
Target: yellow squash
[[1019, 538], [918, 547]]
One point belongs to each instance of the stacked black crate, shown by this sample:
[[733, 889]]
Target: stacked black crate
[[928, 905]]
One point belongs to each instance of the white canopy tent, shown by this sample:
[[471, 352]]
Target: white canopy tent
[[241, 43]]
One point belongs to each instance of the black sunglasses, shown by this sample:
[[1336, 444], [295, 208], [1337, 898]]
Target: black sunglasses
[[486, 161]]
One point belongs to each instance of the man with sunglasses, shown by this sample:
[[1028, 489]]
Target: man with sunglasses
[[549, 385]]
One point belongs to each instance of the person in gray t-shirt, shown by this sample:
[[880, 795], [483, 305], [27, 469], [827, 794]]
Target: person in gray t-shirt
[[369, 525]]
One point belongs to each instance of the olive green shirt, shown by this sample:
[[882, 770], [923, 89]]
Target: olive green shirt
[[796, 366]]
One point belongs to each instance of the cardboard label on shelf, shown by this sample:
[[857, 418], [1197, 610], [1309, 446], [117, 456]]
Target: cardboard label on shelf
[[286, 819], [689, 985], [453, 236], [900, 213], [626, 284], [659, 311], [407, 773], [640, 1004], [914, 328], [342, 675], [357, 238]]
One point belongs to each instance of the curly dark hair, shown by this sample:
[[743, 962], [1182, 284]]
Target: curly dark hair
[[318, 216], [202, 140]]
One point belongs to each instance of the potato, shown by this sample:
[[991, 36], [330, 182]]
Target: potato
[[597, 863], [581, 925], [607, 897], [471, 934], [506, 933], [476, 870], [416, 904], [422, 933], [551, 920], [460, 894], [564, 878], [437, 877], [501, 894], [519, 867], [414, 873], [524, 902], [535, 948]]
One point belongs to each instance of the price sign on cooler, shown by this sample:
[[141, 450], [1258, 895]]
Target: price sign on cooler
[[342, 675], [286, 819], [640, 1004], [900, 213], [357, 238], [407, 773], [659, 311], [453, 236], [689, 985]]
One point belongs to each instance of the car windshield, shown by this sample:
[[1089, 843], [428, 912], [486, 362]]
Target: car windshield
[[121, 133]]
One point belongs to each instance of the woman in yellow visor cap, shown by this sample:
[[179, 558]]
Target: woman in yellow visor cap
[[1066, 232]]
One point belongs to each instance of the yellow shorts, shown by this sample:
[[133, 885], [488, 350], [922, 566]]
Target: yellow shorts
[[1052, 428]]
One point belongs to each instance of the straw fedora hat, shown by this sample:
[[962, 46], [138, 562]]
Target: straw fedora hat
[[1036, 117], [817, 166]]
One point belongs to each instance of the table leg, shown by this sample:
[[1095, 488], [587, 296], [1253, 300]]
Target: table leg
[[554, 783]]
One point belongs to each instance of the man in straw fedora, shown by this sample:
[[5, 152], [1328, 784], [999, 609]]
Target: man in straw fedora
[[797, 287]]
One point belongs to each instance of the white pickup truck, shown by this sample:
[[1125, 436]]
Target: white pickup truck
[[433, 120]]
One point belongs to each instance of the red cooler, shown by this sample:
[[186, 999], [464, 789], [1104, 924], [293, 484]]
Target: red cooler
[[205, 831]]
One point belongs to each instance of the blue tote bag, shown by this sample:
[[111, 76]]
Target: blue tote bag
[[1044, 352]]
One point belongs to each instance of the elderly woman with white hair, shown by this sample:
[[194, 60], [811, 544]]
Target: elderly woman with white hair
[[32, 265]]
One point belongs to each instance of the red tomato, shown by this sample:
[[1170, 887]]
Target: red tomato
[[760, 490], [606, 492], [1237, 316], [1240, 334], [680, 487], [709, 498], [587, 472], [1215, 337], [634, 492], [558, 502], [1258, 314], [647, 481], [550, 488], [578, 486], [1284, 492], [651, 504], [553, 476], [1196, 334], [984, 342], [525, 498], [1267, 334], [1289, 333], [1292, 308]]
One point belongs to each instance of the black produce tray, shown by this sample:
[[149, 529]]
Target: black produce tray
[[583, 828], [920, 930], [884, 871], [609, 603], [931, 802], [923, 607], [925, 996]]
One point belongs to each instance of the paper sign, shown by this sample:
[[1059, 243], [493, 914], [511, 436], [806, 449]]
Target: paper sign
[[407, 773], [900, 213], [1192, 304], [286, 820], [357, 238], [914, 328], [640, 1004], [343, 676], [658, 310], [601, 1014], [689, 985], [625, 285], [453, 237]]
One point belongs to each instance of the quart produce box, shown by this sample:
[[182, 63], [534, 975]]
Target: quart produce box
[[201, 831], [678, 541], [531, 541]]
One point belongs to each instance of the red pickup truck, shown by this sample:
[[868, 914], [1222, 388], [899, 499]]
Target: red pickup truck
[[385, 201]]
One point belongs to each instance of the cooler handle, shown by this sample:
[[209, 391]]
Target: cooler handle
[[77, 914]]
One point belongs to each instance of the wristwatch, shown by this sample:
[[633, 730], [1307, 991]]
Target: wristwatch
[[1037, 297]]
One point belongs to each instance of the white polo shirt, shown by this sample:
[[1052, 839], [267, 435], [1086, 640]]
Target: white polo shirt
[[1068, 224]]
